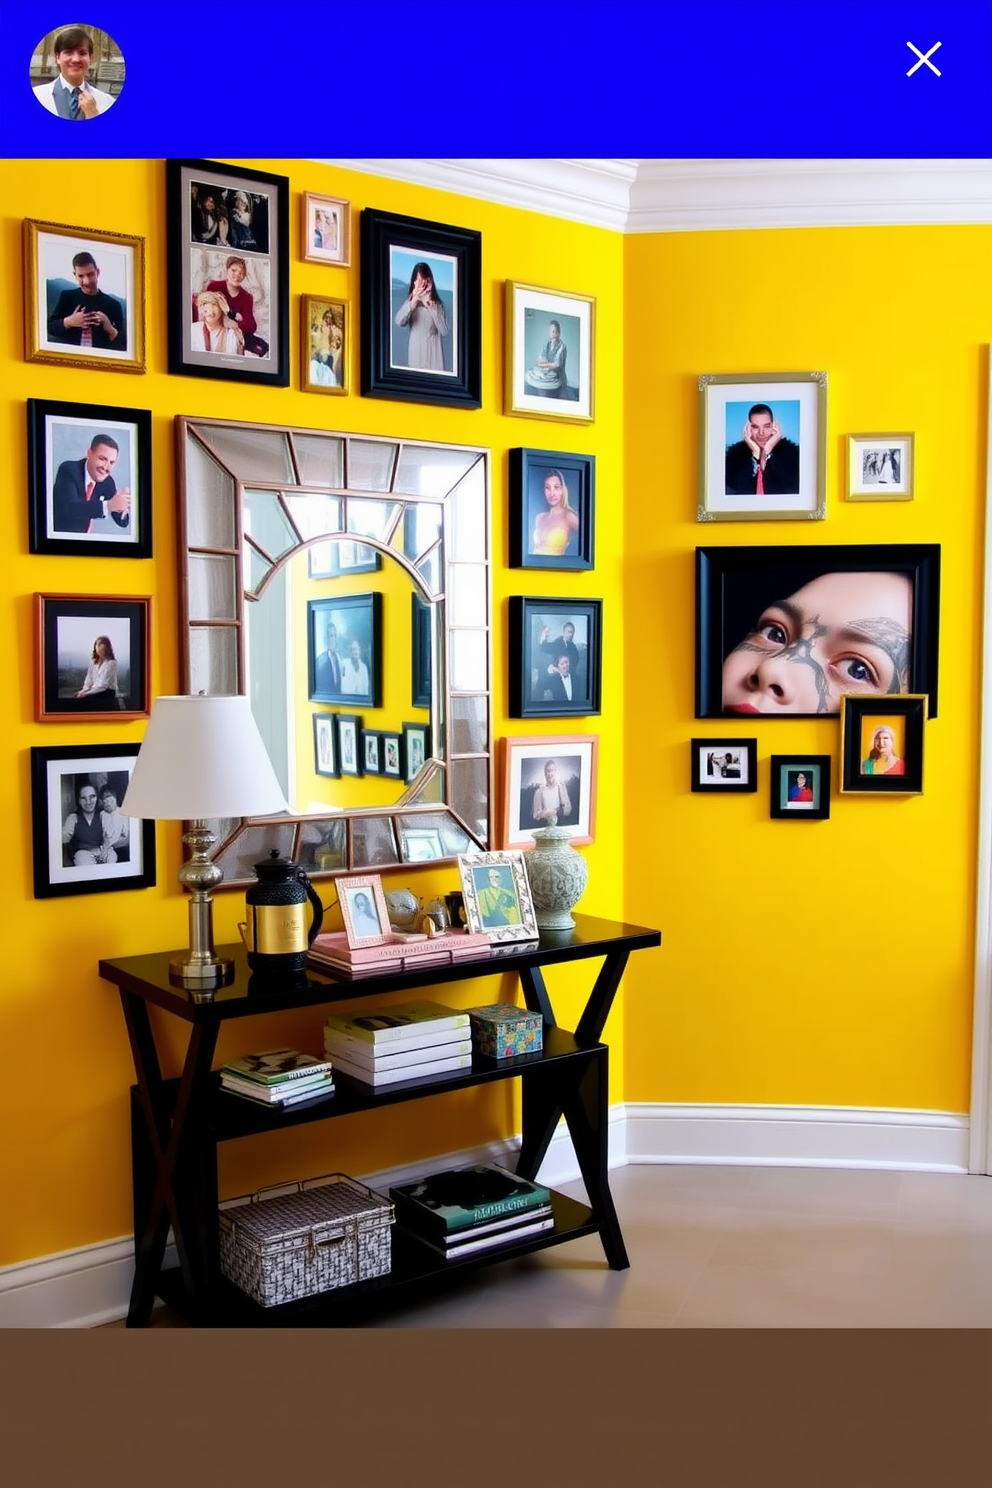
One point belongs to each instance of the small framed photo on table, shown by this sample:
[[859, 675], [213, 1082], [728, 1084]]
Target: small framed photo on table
[[549, 353], [545, 778], [800, 788], [363, 909], [83, 843], [555, 657], [725, 766], [881, 745], [326, 229], [497, 896], [763, 447], [84, 297], [552, 509], [93, 658], [91, 480], [880, 467]]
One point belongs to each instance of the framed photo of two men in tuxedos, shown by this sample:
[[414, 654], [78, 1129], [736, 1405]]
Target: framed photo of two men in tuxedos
[[555, 657], [90, 480]]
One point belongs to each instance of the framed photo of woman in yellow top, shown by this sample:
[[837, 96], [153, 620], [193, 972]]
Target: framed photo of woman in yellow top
[[552, 509]]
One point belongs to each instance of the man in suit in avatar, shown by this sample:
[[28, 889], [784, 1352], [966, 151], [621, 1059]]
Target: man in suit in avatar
[[85, 490], [70, 95]]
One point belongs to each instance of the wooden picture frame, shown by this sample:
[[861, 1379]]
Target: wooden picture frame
[[552, 510], [77, 274], [800, 787], [351, 621], [724, 766], [549, 377], [880, 467], [93, 658], [542, 633], [757, 605], [325, 750], [325, 231], [101, 855], [497, 897], [363, 904], [220, 217], [325, 345], [532, 789], [79, 448], [349, 730], [783, 417], [870, 765], [429, 352]]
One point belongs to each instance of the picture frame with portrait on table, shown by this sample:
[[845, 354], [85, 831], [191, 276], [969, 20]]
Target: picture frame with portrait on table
[[724, 766], [552, 510], [880, 467], [763, 447], [344, 649], [545, 777], [788, 631], [84, 294], [497, 897], [82, 842], [881, 745], [550, 353], [421, 310], [555, 656], [325, 345], [93, 658], [326, 229], [90, 477], [800, 787], [363, 910], [228, 272]]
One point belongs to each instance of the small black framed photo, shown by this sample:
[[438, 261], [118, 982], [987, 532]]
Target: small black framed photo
[[800, 789], [91, 480], [93, 658], [881, 745], [555, 657], [416, 748], [345, 649], [392, 758], [325, 749], [788, 631], [84, 297], [349, 729], [724, 766], [228, 272], [372, 751], [83, 843], [552, 509], [421, 621], [421, 310]]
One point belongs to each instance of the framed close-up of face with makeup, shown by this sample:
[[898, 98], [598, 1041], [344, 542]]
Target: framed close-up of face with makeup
[[792, 630]]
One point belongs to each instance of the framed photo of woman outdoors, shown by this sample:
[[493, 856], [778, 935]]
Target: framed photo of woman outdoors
[[93, 658], [552, 509], [84, 297], [228, 272], [421, 310]]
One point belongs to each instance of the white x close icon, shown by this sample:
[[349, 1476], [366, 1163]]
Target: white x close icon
[[924, 57]]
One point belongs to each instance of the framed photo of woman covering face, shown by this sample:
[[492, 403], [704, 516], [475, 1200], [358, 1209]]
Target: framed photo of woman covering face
[[800, 787], [552, 509], [881, 744], [789, 631]]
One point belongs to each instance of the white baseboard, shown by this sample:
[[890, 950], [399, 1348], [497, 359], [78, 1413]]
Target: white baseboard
[[90, 1286]]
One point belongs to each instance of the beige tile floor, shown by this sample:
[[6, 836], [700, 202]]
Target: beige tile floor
[[731, 1247]]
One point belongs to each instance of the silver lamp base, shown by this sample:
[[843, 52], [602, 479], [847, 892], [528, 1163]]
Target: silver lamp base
[[201, 972]]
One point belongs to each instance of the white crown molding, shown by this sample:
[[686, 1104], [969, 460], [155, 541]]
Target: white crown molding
[[652, 196]]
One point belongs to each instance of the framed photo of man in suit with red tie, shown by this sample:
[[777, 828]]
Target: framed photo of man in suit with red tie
[[90, 480]]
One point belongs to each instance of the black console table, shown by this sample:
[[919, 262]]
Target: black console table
[[176, 1124]]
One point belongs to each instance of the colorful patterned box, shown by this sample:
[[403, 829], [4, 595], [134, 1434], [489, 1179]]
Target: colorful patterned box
[[503, 1030]]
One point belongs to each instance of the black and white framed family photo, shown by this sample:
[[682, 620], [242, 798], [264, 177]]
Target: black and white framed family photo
[[83, 842]]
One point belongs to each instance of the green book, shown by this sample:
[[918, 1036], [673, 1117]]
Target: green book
[[274, 1066], [461, 1198]]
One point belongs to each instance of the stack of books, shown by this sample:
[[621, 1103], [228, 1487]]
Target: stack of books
[[331, 952], [466, 1210], [278, 1077], [402, 1043]]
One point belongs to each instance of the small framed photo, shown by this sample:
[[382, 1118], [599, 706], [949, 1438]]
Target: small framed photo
[[349, 729], [787, 631], [497, 896], [881, 745], [392, 758], [725, 765], [422, 844], [763, 447], [416, 749], [800, 788], [228, 272], [325, 343], [91, 480], [363, 909], [421, 651], [345, 649], [337, 556], [549, 782], [84, 297], [555, 657], [93, 658], [550, 344], [326, 229], [83, 843], [372, 751], [552, 509], [421, 310], [880, 467], [325, 745]]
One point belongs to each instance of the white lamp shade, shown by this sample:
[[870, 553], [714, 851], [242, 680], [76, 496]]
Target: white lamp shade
[[202, 757]]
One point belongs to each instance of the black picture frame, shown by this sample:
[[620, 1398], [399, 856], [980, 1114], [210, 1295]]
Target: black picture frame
[[906, 718], [371, 751], [735, 585], [67, 628], [416, 748], [532, 471], [58, 775], [66, 452], [197, 256], [724, 766], [531, 656], [792, 776], [392, 755], [421, 623], [325, 745], [391, 247], [356, 619], [349, 731]]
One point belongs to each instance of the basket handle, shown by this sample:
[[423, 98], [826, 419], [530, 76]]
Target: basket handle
[[293, 1185]]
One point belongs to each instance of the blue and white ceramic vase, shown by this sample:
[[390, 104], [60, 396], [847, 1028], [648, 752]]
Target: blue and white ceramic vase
[[557, 876]]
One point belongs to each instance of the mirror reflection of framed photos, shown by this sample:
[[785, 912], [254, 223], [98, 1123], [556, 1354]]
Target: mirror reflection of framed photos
[[371, 752], [344, 638], [416, 749]]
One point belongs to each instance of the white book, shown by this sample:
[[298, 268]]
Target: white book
[[397, 1023], [405, 1072], [266, 1096], [490, 1242], [394, 1056]]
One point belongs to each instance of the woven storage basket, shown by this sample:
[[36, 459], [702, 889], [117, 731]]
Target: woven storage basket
[[331, 1232]]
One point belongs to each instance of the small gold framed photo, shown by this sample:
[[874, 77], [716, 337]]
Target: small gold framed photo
[[880, 467], [326, 229], [325, 338]]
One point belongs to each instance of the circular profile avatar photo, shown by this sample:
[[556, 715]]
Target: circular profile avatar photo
[[77, 72]]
